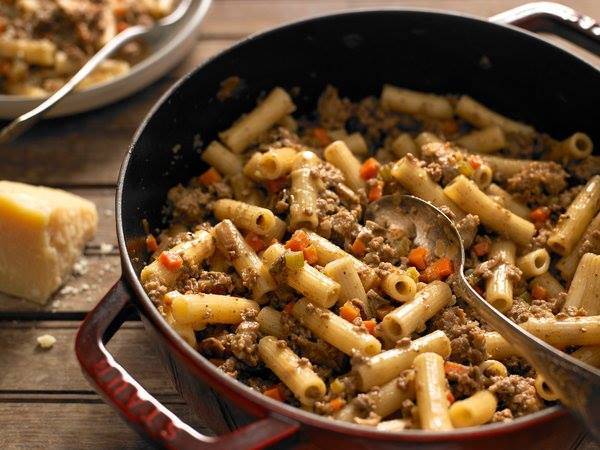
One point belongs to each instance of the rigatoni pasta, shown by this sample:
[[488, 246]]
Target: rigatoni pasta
[[272, 269]]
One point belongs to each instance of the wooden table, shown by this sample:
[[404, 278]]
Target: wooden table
[[44, 399]]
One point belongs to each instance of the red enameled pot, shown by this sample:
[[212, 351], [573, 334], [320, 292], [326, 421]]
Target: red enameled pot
[[512, 70]]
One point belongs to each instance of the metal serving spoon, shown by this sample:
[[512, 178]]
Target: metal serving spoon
[[24, 122], [576, 383]]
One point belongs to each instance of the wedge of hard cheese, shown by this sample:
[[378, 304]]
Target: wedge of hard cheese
[[42, 233]]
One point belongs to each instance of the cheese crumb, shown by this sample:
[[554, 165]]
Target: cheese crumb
[[46, 341], [105, 248]]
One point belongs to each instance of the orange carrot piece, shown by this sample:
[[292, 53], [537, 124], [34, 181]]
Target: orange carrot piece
[[322, 136], [171, 261], [298, 242], [369, 169], [274, 186], [438, 270], [349, 312], [211, 176], [310, 255], [475, 162], [370, 325], [274, 393], [358, 247], [418, 257], [288, 308], [539, 292], [455, 368], [255, 242], [540, 214], [450, 397], [375, 192], [481, 248], [336, 404], [151, 244]]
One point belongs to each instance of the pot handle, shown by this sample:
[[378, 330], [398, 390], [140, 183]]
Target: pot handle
[[557, 19], [136, 405]]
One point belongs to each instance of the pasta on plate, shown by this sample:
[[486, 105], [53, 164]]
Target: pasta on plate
[[44, 42], [269, 269]]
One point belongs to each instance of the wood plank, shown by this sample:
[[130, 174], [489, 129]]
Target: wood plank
[[27, 367], [75, 298], [237, 18], [72, 425]]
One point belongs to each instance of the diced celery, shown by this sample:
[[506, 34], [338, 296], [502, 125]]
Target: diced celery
[[294, 260]]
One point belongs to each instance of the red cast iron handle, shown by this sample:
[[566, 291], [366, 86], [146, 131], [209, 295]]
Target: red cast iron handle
[[556, 19], [136, 405]]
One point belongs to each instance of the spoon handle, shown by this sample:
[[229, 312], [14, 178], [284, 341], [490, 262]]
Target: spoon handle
[[27, 120], [576, 383]]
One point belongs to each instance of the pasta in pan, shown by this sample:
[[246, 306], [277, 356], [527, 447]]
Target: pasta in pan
[[270, 270]]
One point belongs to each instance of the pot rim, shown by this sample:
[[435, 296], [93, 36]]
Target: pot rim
[[252, 400]]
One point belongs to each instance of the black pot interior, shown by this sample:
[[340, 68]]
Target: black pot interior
[[515, 74]]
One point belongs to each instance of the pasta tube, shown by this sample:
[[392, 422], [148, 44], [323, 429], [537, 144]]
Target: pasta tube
[[303, 202], [405, 319], [385, 366], [534, 263], [584, 291], [493, 368], [308, 281], [430, 388], [245, 261], [415, 179], [276, 163], [269, 320], [425, 138], [589, 354], [344, 273], [480, 116], [573, 223], [478, 409], [244, 190], [334, 330], [403, 145], [469, 197], [295, 373], [577, 146], [488, 140], [570, 331], [549, 283], [400, 286], [246, 130], [568, 264], [413, 102], [245, 216], [198, 310], [222, 159], [328, 251], [496, 347], [499, 287], [505, 168], [192, 253], [508, 201], [338, 154]]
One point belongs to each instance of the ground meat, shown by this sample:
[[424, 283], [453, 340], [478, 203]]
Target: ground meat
[[502, 416], [464, 384], [467, 227], [155, 290], [442, 161], [333, 111], [538, 183], [466, 337], [584, 169], [209, 283], [591, 243], [521, 311], [244, 342], [518, 394], [193, 204]]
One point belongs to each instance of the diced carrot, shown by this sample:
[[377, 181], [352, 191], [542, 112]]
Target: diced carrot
[[375, 192], [349, 312], [298, 242], [418, 257], [151, 243], [369, 169], [274, 393], [370, 325], [322, 136], [539, 292], [171, 261], [478, 289], [274, 186], [255, 242], [475, 162], [209, 177], [358, 247], [455, 368], [336, 404], [450, 397], [119, 10], [449, 126], [481, 248], [288, 308], [167, 300], [310, 255], [122, 25], [438, 270], [540, 214]]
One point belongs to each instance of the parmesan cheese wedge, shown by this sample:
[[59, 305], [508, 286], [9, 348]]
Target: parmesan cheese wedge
[[42, 233]]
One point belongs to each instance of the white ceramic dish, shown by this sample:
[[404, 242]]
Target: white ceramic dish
[[163, 54]]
